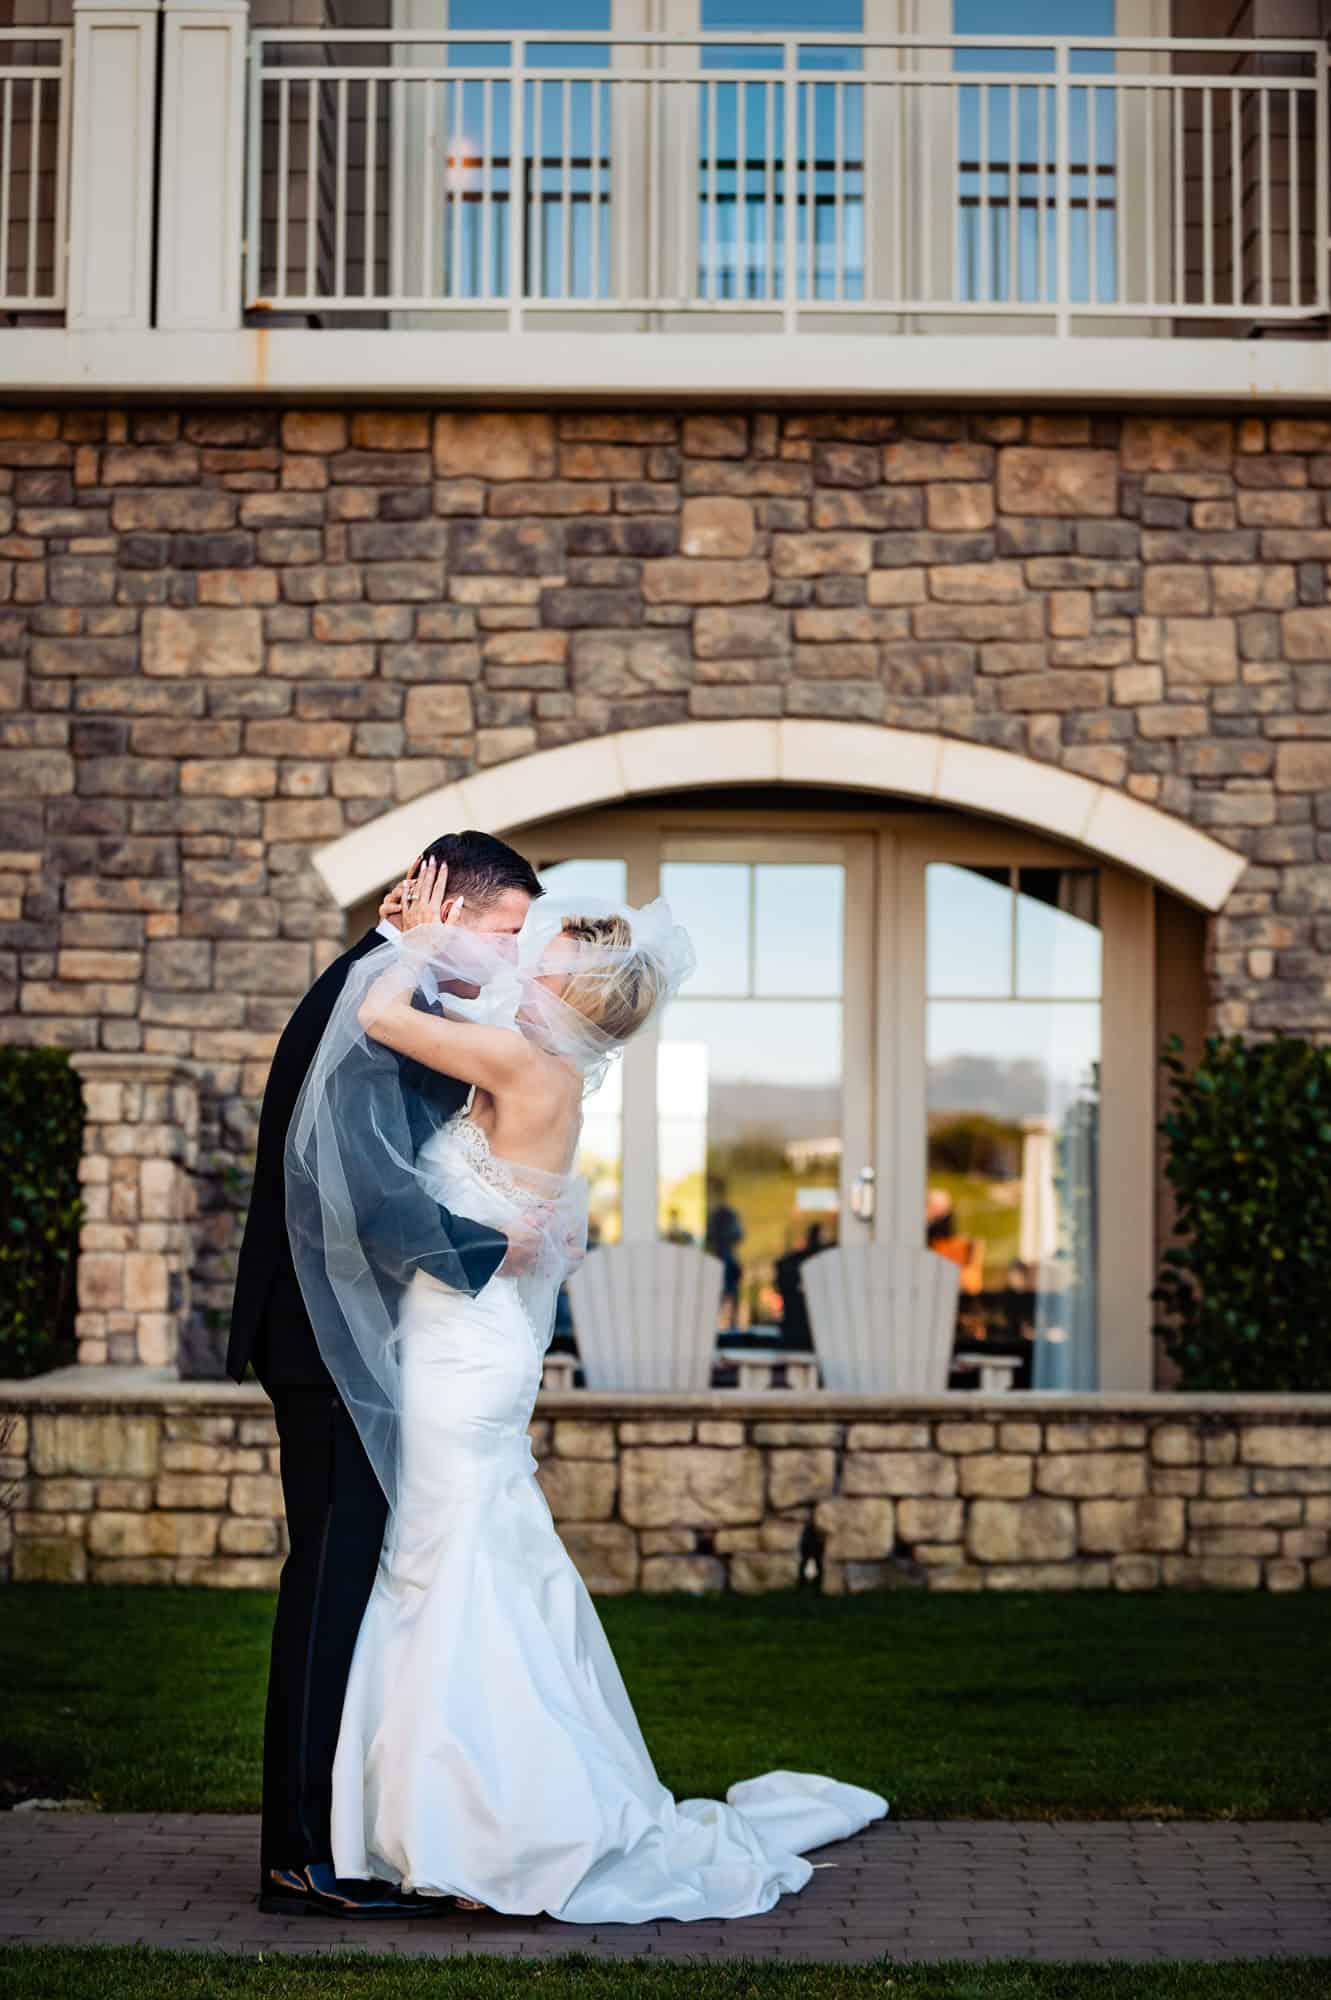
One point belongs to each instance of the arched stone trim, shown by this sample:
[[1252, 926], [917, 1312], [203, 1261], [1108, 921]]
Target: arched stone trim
[[900, 762]]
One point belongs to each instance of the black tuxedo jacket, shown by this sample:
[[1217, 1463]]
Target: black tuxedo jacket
[[270, 1325]]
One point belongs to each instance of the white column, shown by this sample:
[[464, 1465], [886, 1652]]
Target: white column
[[111, 169], [200, 212]]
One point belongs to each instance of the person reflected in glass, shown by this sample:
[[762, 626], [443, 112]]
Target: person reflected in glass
[[795, 1328], [725, 1233]]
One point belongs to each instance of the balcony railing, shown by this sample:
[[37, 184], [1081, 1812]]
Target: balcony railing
[[34, 167], [787, 181]]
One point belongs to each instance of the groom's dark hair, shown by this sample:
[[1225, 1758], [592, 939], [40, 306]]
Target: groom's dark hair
[[481, 867]]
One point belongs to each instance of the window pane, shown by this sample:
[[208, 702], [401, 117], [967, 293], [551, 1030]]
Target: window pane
[[711, 900], [1058, 935], [606, 879], [969, 929], [1013, 1091], [750, 1149], [798, 923]]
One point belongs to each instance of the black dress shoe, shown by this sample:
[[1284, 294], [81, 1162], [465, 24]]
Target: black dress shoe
[[317, 1891]]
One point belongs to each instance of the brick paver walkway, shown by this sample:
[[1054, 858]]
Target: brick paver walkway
[[910, 1891]]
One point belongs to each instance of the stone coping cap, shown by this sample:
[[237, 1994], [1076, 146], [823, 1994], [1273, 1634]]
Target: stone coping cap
[[92, 1388]]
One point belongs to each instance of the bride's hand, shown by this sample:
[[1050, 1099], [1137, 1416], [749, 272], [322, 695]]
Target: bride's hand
[[524, 1251], [424, 898]]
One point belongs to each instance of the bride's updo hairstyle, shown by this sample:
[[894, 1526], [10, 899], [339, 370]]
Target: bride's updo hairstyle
[[622, 987], [596, 973]]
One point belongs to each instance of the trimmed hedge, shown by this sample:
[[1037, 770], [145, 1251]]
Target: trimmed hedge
[[1246, 1294], [41, 1138]]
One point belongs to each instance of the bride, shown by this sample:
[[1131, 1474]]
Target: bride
[[488, 1747]]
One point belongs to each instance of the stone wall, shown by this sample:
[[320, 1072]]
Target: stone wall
[[716, 1492], [228, 636]]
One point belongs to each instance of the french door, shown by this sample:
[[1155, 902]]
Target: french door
[[910, 1028]]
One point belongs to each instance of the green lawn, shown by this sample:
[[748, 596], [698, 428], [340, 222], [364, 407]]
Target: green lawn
[[103, 1974], [987, 1706]]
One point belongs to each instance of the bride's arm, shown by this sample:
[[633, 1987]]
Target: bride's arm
[[495, 1058]]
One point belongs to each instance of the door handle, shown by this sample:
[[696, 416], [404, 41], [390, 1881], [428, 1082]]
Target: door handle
[[862, 1195]]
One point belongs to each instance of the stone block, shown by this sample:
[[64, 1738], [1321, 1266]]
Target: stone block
[[911, 460], [192, 1491], [155, 1534], [49, 1559], [918, 1474], [1007, 1531], [495, 444], [1200, 651], [712, 525], [803, 1434], [856, 1530], [653, 659], [578, 1489], [741, 633], [961, 1438], [118, 1444], [574, 1439], [605, 1554], [996, 1476], [1176, 1444], [1285, 1444], [1033, 480], [435, 716], [960, 508], [684, 580], [1129, 1527], [695, 1576], [795, 1476], [656, 1430], [1303, 767], [257, 1493], [248, 1538], [213, 641], [1091, 1474], [752, 1573], [720, 1431], [818, 553], [888, 1437], [929, 1520], [124, 1495], [712, 435], [1169, 444], [690, 1486]]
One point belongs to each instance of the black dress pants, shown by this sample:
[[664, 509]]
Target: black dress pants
[[336, 1514]]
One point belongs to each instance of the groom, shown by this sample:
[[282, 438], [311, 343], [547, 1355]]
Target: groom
[[335, 1507]]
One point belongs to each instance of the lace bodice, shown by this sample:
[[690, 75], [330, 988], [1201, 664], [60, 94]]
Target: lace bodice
[[473, 1143]]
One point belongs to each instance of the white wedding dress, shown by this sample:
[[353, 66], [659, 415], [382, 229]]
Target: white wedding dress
[[488, 1746]]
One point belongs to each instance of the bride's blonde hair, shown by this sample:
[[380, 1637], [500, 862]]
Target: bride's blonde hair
[[619, 988]]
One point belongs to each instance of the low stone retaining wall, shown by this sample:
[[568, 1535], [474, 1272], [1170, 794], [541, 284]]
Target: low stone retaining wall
[[134, 1481]]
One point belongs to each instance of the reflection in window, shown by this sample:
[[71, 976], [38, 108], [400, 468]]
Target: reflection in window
[[1013, 1052], [601, 1154], [1007, 158], [749, 1080], [745, 179], [565, 169]]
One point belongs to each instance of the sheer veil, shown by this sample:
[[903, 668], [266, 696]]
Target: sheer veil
[[363, 1210]]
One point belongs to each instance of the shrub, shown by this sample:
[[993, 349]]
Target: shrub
[[1246, 1293], [41, 1136]]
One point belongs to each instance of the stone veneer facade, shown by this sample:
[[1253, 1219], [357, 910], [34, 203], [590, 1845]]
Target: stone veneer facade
[[230, 635], [177, 1484]]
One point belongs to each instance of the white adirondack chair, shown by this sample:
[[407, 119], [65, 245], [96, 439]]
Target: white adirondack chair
[[645, 1315], [883, 1317]]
